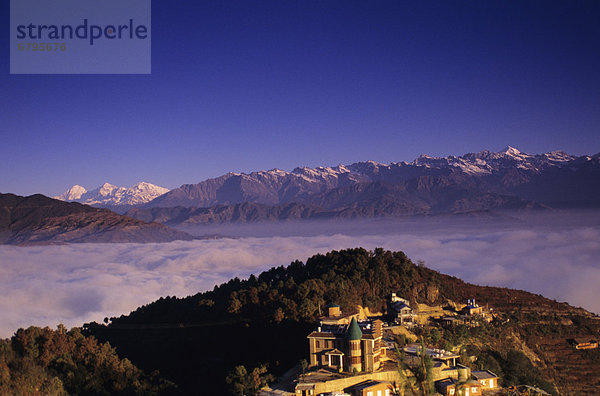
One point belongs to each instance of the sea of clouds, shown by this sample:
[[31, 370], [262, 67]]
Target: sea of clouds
[[78, 283]]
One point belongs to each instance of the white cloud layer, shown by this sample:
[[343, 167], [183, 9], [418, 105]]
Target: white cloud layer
[[72, 284]]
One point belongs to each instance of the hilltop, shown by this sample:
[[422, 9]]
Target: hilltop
[[195, 341]]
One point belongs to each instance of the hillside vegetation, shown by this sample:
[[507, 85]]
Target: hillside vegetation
[[195, 341], [38, 361]]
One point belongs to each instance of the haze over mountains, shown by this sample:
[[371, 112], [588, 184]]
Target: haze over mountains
[[505, 180]]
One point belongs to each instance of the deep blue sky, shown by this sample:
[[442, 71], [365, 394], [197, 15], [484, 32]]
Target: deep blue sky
[[250, 85]]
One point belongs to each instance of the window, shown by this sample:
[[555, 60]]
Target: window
[[473, 390], [387, 392], [451, 391], [370, 393], [378, 393], [318, 344]]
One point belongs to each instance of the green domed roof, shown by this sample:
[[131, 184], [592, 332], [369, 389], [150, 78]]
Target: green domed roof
[[332, 305], [353, 332]]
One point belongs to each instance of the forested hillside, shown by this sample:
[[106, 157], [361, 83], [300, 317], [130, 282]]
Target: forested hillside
[[38, 361], [195, 341]]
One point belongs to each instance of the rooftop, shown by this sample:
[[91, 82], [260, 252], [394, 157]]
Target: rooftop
[[366, 384], [445, 382], [354, 332], [483, 374], [398, 305], [453, 381], [366, 329], [584, 340]]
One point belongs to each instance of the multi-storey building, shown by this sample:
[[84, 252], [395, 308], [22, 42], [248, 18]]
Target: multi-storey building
[[346, 347], [399, 311]]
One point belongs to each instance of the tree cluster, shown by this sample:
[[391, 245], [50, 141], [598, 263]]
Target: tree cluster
[[244, 383], [42, 361]]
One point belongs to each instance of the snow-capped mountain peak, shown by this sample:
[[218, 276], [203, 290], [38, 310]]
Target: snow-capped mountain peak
[[148, 188], [558, 156], [509, 150], [110, 195], [72, 193], [107, 189], [487, 162], [514, 153]]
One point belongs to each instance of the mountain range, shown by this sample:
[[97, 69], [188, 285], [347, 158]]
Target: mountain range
[[37, 219], [108, 195], [504, 180]]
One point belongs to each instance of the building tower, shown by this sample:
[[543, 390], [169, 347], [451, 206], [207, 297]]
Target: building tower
[[333, 310], [353, 337]]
